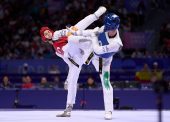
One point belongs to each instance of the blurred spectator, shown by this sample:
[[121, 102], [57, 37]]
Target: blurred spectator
[[27, 83], [144, 53], [44, 83], [157, 72], [154, 78], [164, 42], [127, 26], [90, 84], [147, 54], [24, 80], [131, 84], [141, 10], [26, 69], [57, 83], [144, 75], [40, 69], [6, 83], [137, 54], [53, 70]]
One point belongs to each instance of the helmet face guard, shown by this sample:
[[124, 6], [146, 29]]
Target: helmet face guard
[[111, 22]]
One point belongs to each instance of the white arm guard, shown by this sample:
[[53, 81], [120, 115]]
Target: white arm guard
[[111, 47], [78, 39], [87, 32], [56, 35], [60, 33]]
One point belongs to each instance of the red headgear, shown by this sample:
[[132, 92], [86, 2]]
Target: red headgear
[[42, 32]]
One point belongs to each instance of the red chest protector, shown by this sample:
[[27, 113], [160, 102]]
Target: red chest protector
[[58, 45]]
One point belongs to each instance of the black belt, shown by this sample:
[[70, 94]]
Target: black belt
[[100, 65], [89, 58], [73, 62], [100, 62]]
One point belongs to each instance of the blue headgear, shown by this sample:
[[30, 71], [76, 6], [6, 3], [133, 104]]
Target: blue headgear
[[111, 22]]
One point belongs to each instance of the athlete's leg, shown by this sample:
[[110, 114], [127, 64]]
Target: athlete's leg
[[72, 84], [84, 23], [107, 88], [95, 62], [72, 79]]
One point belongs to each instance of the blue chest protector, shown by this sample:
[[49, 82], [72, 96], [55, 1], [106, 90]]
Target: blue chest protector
[[103, 41]]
